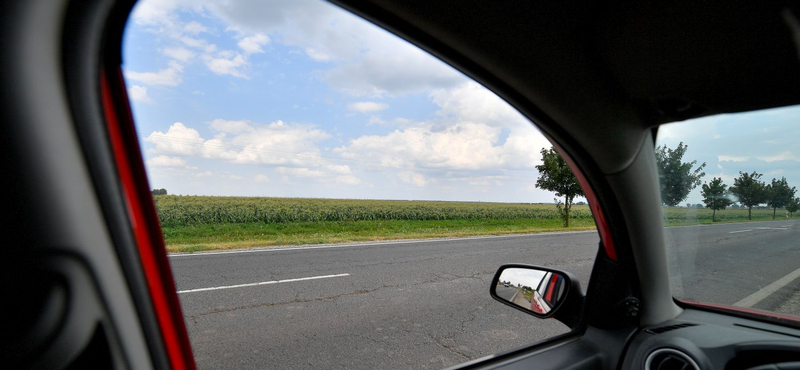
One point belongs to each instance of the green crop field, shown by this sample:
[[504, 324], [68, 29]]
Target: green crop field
[[196, 210], [194, 223]]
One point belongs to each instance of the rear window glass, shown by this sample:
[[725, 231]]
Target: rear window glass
[[729, 197]]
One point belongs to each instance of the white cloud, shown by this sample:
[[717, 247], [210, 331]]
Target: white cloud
[[166, 161], [178, 139], [472, 102], [348, 180], [194, 28], [276, 143], [392, 72], [166, 77], [139, 94], [342, 169], [237, 177], [262, 179], [178, 53], [784, 156], [412, 178], [367, 106], [318, 55], [204, 174], [731, 158], [232, 127], [376, 120], [366, 59], [299, 172], [253, 44], [201, 44], [223, 66], [464, 138]]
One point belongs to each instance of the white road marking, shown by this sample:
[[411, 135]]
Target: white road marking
[[770, 228], [391, 242], [758, 296], [261, 283], [740, 231]]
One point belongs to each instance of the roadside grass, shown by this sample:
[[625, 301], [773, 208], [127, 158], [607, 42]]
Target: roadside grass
[[189, 239], [694, 216]]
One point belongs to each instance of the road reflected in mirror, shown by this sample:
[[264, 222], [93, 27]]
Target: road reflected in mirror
[[534, 290]]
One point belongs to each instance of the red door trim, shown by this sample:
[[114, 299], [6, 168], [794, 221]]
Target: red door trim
[[144, 219], [599, 216]]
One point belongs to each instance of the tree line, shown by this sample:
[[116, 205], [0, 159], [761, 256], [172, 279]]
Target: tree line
[[677, 179]]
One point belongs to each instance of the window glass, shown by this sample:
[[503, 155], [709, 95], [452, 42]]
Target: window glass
[[332, 196], [729, 196]]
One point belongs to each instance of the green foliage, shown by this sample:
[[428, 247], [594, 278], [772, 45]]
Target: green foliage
[[197, 210], [750, 191], [779, 194], [715, 196], [677, 177], [792, 206], [159, 191], [556, 176]]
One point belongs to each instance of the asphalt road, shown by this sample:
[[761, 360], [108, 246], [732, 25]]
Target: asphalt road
[[426, 304], [505, 293]]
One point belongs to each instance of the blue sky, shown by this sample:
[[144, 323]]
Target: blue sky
[[302, 99], [766, 141]]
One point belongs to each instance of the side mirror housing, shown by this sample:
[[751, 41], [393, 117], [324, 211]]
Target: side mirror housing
[[539, 291]]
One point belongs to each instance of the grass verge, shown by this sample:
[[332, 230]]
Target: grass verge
[[189, 239]]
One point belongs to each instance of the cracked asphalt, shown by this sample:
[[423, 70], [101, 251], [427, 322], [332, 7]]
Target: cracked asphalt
[[426, 305]]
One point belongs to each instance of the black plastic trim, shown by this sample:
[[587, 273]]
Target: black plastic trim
[[90, 27]]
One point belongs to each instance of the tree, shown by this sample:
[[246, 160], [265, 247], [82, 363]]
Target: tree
[[715, 196], [159, 192], [677, 177], [556, 176], [792, 206], [779, 194], [749, 190]]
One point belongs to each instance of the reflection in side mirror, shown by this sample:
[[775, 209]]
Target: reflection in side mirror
[[535, 290], [538, 291]]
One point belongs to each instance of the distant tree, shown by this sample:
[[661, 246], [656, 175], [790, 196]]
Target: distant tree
[[698, 205], [715, 196], [159, 191], [750, 191], [556, 176], [677, 177], [792, 206], [779, 194]]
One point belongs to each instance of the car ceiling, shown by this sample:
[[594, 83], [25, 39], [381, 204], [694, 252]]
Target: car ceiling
[[597, 75]]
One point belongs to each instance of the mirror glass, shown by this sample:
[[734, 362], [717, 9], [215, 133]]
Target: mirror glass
[[534, 290]]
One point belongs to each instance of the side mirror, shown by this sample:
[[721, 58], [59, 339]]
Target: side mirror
[[539, 291]]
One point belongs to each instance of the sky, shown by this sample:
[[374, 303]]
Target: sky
[[302, 99], [766, 141]]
